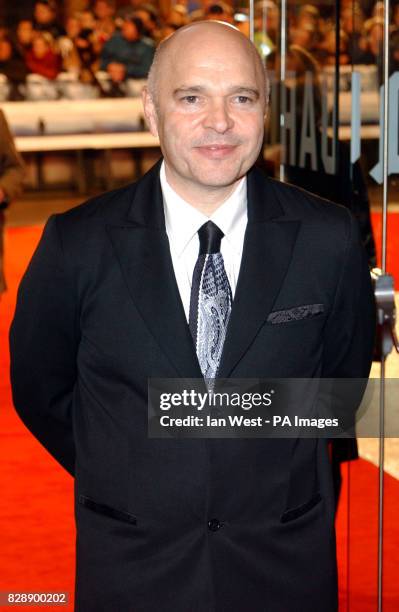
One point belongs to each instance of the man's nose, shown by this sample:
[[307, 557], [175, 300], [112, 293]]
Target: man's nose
[[219, 117]]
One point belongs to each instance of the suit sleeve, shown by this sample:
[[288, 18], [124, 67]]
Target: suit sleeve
[[350, 328], [44, 338]]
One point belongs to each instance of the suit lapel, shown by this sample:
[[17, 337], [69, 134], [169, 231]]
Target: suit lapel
[[142, 249], [268, 245]]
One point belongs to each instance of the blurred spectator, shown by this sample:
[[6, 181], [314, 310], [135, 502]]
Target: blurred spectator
[[367, 6], [42, 58], [266, 25], [394, 51], [267, 19], [88, 59], [12, 173], [73, 26], [304, 35], [66, 44], [128, 49], [326, 51], [374, 29], [308, 16], [352, 22], [375, 35], [78, 50], [177, 16], [219, 11], [149, 16], [307, 29], [378, 10], [104, 11], [45, 18], [87, 20], [308, 11], [395, 16], [24, 35], [98, 35], [12, 65], [117, 81]]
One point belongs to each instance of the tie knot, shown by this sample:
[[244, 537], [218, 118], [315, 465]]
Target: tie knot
[[210, 236]]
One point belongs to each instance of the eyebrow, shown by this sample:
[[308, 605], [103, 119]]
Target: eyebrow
[[241, 89]]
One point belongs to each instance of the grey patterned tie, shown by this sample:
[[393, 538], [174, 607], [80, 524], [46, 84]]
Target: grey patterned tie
[[211, 300]]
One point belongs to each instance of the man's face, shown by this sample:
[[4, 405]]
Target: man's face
[[103, 9], [129, 31], [40, 46], [43, 13], [25, 32], [209, 112], [87, 20]]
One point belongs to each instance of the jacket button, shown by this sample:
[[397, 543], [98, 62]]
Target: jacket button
[[214, 524]]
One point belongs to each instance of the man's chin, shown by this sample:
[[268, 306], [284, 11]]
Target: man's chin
[[222, 177]]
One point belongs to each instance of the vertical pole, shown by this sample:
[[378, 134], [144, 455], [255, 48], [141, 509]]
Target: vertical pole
[[384, 136], [251, 20], [283, 55], [381, 455], [336, 82]]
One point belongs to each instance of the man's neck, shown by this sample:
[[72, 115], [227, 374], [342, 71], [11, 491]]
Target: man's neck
[[206, 199]]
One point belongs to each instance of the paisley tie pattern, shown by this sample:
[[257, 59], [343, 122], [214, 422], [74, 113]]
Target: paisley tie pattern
[[210, 305]]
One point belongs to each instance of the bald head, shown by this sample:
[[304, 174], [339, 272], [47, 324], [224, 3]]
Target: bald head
[[206, 101], [200, 38]]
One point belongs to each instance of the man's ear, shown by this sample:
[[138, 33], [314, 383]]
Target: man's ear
[[150, 112]]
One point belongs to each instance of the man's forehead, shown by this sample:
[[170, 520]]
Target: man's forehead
[[208, 50], [201, 53], [197, 38]]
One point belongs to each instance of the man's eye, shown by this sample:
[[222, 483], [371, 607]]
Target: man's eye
[[190, 99], [243, 99]]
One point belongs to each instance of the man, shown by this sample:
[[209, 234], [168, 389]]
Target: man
[[12, 174], [204, 525], [45, 18], [128, 50]]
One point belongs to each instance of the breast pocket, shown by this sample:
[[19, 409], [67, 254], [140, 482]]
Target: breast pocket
[[296, 314]]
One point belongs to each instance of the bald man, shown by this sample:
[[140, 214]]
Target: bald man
[[203, 268]]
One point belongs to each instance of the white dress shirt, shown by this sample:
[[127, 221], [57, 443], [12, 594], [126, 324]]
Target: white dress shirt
[[182, 224]]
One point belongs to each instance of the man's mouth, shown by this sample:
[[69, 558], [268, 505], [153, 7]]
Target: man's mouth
[[216, 151]]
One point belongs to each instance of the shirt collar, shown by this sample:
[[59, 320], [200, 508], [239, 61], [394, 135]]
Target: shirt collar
[[183, 221]]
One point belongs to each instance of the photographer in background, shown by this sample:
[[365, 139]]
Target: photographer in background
[[12, 173]]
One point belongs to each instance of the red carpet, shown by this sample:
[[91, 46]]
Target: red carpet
[[392, 242], [36, 510], [37, 497]]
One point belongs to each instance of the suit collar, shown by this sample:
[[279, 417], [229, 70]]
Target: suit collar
[[263, 204], [147, 206]]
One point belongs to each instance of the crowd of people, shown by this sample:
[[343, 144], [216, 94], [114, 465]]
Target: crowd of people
[[106, 46]]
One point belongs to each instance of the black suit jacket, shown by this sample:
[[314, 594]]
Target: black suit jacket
[[99, 312]]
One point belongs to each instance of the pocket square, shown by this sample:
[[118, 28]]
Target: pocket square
[[295, 314]]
